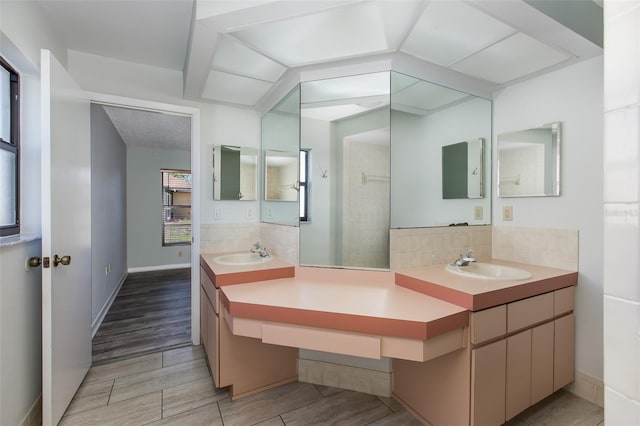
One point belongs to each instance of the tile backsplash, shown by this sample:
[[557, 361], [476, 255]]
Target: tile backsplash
[[280, 240], [414, 247], [554, 248], [228, 237]]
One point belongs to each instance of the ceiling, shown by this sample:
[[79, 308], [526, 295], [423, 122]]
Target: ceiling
[[151, 129], [241, 52]]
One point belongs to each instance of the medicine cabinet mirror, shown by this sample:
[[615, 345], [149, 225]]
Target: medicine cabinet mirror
[[462, 166], [235, 173], [529, 162]]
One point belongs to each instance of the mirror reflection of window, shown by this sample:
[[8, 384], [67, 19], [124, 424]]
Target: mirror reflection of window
[[281, 178]]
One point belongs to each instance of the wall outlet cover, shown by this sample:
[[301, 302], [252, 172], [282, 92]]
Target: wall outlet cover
[[507, 213], [217, 213], [477, 213]]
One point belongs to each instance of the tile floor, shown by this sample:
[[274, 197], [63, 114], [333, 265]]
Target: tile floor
[[174, 388]]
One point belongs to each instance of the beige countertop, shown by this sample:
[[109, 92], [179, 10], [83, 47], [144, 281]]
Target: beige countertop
[[476, 294], [358, 301], [222, 275]]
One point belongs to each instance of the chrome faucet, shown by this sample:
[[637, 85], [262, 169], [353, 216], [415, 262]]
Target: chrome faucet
[[465, 259], [262, 251]]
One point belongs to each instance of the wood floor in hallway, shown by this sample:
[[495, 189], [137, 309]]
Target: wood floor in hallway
[[151, 313]]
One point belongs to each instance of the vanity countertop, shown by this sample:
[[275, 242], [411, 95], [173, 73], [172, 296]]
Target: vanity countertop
[[349, 300], [476, 294], [222, 275]]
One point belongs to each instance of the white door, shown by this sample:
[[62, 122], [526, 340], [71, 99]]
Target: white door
[[66, 231]]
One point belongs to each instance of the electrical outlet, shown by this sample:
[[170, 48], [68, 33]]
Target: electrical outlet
[[507, 213], [179, 253], [217, 213], [477, 213], [250, 213], [269, 213]]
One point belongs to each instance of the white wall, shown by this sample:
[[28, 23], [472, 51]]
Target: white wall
[[108, 212], [144, 207], [23, 31], [223, 125], [20, 331], [219, 124], [574, 97]]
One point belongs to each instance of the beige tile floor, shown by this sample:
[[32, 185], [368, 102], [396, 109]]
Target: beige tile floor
[[174, 388]]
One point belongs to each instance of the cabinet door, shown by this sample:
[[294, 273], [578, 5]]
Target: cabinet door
[[518, 397], [213, 347], [488, 384], [563, 351], [203, 318], [541, 362]]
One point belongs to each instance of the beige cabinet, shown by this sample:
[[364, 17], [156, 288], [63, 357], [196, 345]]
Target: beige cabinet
[[563, 351], [525, 347], [244, 364], [488, 384], [518, 373]]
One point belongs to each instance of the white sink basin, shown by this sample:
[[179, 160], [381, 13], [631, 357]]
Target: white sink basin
[[489, 271], [241, 259]]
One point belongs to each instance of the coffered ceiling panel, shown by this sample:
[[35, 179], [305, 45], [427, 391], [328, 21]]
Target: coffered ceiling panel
[[233, 88], [509, 59], [233, 56], [449, 31], [324, 36]]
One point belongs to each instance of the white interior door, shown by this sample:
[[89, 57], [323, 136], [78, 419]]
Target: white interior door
[[66, 231]]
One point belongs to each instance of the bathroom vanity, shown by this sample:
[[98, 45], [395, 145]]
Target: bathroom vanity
[[465, 351]]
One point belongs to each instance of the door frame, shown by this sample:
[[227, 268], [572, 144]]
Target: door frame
[[194, 114]]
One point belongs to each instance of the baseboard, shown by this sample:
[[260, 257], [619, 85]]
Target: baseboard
[[105, 308], [158, 268], [345, 377], [34, 415], [587, 387]]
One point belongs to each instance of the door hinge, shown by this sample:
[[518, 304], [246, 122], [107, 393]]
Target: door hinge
[[46, 262]]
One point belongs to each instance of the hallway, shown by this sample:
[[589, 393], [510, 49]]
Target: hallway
[[151, 313]]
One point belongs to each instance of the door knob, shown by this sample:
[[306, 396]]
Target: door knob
[[65, 260], [34, 262]]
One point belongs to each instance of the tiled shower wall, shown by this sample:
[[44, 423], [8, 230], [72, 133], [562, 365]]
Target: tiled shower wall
[[621, 212]]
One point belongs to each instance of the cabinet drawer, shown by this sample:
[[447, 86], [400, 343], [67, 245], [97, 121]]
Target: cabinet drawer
[[563, 300], [528, 312], [488, 324], [211, 290]]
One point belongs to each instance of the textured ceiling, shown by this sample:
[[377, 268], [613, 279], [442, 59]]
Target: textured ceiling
[[151, 129]]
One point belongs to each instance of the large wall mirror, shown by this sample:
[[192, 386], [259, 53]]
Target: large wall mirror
[[440, 169], [280, 148], [529, 162], [381, 152], [235, 173], [345, 128]]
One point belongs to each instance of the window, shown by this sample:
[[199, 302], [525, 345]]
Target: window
[[9, 150], [176, 207], [304, 184]]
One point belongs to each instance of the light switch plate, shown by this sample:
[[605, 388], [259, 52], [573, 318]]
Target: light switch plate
[[507, 213]]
